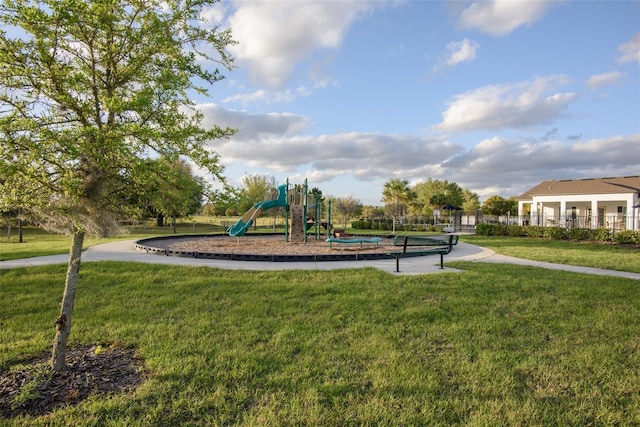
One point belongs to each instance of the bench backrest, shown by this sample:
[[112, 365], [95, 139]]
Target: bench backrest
[[446, 240]]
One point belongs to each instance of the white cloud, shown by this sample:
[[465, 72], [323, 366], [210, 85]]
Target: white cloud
[[213, 15], [251, 126], [278, 141], [520, 105], [493, 166], [266, 97], [605, 79], [630, 51], [278, 144], [510, 167], [461, 51], [248, 98], [275, 36], [500, 17], [613, 150], [362, 155]]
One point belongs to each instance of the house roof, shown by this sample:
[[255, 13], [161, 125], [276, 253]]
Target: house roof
[[623, 184]]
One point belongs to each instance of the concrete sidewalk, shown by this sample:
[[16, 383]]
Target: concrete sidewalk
[[124, 250]]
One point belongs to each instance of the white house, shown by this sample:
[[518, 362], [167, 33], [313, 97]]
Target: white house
[[590, 203]]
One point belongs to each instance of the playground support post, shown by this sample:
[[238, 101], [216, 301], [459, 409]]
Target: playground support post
[[317, 215], [306, 204], [329, 218], [286, 215]]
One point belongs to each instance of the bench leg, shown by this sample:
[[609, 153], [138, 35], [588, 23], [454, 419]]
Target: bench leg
[[441, 261], [397, 264]]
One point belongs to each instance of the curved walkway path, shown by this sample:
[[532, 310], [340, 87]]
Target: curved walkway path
[[124, 251]]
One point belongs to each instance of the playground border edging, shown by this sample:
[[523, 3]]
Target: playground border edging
[[147, 246]]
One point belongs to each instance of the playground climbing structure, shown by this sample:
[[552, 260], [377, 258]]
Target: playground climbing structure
[[301, 214]]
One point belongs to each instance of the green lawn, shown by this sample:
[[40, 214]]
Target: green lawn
[[40, 243], [587, 254], [496, 345], [608, 256]]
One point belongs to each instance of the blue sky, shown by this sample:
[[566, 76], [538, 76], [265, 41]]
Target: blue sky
[[494, 95]]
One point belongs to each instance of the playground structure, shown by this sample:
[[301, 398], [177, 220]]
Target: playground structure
[[303, 218], [301, 214]]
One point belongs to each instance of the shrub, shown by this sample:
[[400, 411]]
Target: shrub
[[516, 231], [627, 237], [556, 233], [500, 230], [534, 231], [484, 229], [580, 234], [601, 234]]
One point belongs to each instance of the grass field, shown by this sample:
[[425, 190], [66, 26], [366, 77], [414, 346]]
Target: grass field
[[496, 345], [613, 257], [40, 243], [587, 254]]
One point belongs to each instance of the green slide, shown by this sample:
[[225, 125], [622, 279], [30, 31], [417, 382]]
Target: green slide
[[243, 224]]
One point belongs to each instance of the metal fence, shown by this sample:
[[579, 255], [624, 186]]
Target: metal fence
[[612, 222]]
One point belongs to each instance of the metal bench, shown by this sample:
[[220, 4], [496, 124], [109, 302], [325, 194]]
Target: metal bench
[[424, 245]]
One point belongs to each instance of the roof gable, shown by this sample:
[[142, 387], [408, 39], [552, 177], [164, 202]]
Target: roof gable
[[624, 184]]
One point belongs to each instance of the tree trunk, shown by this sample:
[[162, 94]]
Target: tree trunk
[[173, 224], [395, 215], [63, 322], [20, 239]]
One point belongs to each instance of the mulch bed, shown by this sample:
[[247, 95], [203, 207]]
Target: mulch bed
[[267, 244], [31, 388]]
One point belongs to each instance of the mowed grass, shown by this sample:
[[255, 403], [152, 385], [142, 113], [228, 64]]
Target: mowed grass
[[37, 242], [41, 243], [586, 254], [495, 345]]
